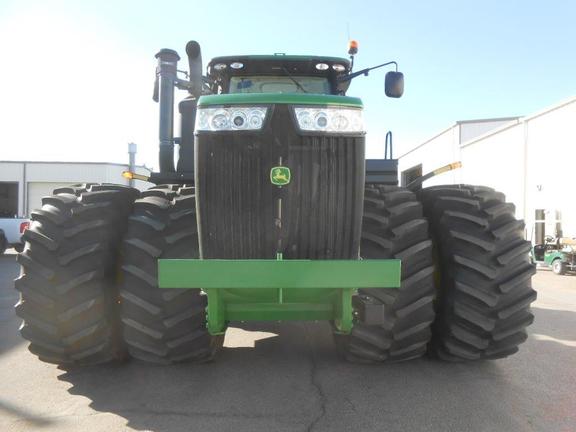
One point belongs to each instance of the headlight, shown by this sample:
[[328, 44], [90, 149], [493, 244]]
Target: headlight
[[234, 118], [330, 119]]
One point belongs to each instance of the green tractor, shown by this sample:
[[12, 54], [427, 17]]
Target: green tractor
[[272, 213]]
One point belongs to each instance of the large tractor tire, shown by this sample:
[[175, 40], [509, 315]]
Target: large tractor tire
[[163, 325], [392, 325], [484, 273], [68, 297]]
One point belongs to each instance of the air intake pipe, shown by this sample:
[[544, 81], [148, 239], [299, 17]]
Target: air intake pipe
[[166, 74]]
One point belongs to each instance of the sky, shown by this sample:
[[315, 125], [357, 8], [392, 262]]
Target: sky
[[76, 76]]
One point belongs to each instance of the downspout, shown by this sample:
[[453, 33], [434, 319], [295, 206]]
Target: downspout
[[132, 148], [525, 177], [25, 208]]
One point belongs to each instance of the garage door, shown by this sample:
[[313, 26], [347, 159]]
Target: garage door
[[37, 190]]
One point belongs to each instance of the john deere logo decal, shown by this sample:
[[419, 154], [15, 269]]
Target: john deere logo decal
[[280, 176]]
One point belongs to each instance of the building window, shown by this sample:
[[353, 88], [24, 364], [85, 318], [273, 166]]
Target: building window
[[410, 175], [8, 199]]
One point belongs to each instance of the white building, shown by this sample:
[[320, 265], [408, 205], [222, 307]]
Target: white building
[[531, 159], [23, 184]]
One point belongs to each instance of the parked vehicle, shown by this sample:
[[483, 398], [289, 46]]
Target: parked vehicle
[[559, 254], [11, 231], [272, 213]]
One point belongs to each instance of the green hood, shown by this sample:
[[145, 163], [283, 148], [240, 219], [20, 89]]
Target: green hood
[[278, 98]]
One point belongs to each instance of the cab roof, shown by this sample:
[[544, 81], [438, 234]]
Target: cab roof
[[271, 57], [262, 64]]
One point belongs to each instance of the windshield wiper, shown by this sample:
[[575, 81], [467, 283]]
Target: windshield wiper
[[294, 80]]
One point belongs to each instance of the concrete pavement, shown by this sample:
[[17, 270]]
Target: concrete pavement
[[287, 377]]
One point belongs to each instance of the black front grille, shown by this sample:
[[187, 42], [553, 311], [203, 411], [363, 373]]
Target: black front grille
[[325, 199], [243, 216]]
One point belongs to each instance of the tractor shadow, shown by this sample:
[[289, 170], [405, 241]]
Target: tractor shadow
[[288, 377], [260, 380]]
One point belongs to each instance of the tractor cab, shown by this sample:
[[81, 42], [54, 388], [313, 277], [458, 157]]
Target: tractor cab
[[278, 73], [256, 96]]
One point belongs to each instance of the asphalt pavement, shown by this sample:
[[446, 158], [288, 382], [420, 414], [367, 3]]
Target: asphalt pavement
[[288, 377]]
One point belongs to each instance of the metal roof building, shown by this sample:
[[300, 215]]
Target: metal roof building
[[23, 184], [531, 159]]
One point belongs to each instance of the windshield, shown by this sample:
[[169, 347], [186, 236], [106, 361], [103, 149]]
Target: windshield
[[279, 84]]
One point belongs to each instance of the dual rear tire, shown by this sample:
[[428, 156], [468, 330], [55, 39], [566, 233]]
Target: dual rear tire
[[76, 312], [81, 308], [478, 274], [484, 273], [163, 325], [392, 325], [68, 299]]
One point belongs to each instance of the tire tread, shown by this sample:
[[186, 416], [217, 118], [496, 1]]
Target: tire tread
[[485, 291]]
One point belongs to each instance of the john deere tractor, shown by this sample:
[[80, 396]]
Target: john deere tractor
[[270, 212]]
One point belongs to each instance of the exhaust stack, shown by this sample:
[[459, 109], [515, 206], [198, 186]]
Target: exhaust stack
[[166, 72], [195, 65]]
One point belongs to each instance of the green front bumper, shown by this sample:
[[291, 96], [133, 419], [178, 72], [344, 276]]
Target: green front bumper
[[271, 290]]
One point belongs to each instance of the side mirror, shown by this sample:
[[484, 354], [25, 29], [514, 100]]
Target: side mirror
[[394, 84]]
